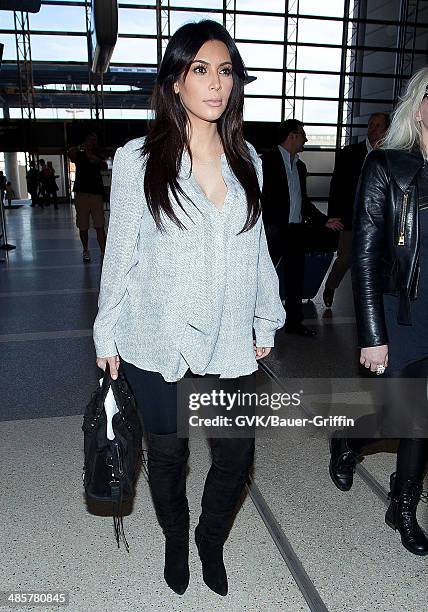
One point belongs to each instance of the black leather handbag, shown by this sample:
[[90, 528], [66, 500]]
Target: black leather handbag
[[111, 467]]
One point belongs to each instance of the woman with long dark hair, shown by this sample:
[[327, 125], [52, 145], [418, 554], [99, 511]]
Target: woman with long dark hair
[[390, 282], [187, 279]]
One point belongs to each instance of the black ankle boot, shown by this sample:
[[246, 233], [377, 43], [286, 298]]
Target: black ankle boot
[[343, 462], [213, 570], [401, 515], [167, 464]]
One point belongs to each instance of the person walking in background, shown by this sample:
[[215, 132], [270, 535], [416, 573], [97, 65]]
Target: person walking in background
[[187, 280], [42, 200], [286, 206], [343, 188], [9, 194], [50, 185], [390, 283], [89, 190], [3, 181], [32, 182]]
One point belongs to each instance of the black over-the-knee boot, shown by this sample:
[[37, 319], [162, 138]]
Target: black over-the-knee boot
[[406, 488], [231, 461], [167, 465]]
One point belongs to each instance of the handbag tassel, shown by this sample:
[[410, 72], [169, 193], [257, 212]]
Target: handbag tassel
[[119, 530]]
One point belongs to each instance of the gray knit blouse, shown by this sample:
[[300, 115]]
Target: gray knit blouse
[[181, 299]]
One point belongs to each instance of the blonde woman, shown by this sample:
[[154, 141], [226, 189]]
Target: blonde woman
[[390, 283]]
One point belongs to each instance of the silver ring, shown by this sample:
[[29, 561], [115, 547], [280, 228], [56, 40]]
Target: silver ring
[[380, 369]]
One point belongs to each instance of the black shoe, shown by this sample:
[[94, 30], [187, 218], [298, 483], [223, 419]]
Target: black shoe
[[176, 571], [401, 515], [213, 570], [300, 330], [328, 297], [343, 462]]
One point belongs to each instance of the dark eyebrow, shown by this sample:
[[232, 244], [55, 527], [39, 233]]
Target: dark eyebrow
[[197, 61]]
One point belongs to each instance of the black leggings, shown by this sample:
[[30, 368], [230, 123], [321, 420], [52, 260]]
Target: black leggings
[[157, 399]]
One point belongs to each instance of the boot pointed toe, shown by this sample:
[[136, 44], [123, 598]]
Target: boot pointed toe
[[213, 569], [176, 571]]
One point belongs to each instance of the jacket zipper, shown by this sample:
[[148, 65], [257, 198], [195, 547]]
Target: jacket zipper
[[402, 220]]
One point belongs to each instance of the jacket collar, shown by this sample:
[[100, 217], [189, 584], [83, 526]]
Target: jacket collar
[[404, 165]]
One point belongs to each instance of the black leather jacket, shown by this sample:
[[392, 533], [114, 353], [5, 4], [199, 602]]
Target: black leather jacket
[[385, 249]]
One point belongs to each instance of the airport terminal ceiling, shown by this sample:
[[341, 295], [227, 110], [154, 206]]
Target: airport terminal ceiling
[[330, 64]]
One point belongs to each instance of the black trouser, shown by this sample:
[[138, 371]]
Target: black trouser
[[33, 196], [293, 253], [51, 193], [408, 406], [41, 198], [155, 398]]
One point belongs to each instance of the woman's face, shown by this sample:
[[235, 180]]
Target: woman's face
[[422, 115], [205, 91]]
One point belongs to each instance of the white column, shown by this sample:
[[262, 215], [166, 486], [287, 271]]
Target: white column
[[11, 170]]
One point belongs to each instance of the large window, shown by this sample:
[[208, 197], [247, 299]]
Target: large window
[[57, 18], [310, 59], [134, 21]]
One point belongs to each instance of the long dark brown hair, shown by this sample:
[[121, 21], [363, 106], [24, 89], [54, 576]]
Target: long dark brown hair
[[167, 138]]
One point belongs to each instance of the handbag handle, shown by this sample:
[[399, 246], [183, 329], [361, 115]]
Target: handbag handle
[[116, 387], [105, 386], [107, 380]]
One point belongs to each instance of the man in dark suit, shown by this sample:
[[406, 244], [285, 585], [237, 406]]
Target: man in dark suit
[[343, 189], [286, 208]]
